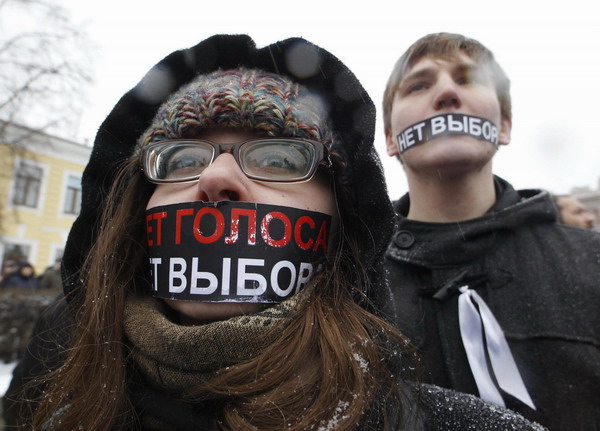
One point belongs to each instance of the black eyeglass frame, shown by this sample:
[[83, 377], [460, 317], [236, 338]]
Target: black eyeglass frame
[[322, 157]]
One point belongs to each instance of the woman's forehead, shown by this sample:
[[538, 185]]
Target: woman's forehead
[[227, 135]]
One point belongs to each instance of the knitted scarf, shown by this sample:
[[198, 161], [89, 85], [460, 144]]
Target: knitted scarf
[[172, 358], [176, 357]]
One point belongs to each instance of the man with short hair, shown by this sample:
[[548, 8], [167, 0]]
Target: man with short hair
[[499, 299], [571, 211]]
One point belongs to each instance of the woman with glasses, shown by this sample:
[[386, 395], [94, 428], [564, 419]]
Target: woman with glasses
[[225, 271]]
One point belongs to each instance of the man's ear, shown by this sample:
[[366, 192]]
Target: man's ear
[[391, 145], [505, 130]]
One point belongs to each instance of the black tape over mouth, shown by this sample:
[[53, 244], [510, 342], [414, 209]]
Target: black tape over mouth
[[233, 251], [447, 125]]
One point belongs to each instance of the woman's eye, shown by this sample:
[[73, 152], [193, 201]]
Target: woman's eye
[[185, 164], [278, 162], [285, 161]]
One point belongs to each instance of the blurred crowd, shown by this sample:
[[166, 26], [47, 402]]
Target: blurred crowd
[[21, 274]]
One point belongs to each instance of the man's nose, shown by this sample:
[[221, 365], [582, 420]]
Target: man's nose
[[590, 218], [447, 94]]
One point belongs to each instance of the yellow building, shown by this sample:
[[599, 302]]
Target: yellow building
[[40, 194]]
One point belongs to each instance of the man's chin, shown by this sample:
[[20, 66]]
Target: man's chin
[[450, 158]]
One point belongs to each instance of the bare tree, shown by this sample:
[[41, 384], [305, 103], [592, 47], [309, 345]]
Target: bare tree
[[45, 70]]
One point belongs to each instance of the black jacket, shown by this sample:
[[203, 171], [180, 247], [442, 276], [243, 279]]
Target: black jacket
[[540, 279]]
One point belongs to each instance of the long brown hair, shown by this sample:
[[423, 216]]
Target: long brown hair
[[332, 362]]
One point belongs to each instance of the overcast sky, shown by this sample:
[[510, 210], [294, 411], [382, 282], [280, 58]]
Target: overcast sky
[[550, 53]]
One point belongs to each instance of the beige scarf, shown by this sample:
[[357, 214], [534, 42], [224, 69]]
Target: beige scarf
[[176, 357]]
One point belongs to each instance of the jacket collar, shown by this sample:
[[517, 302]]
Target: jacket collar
[[450, 244]]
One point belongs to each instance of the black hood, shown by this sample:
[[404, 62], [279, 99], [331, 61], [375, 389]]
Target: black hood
[[366, 206]]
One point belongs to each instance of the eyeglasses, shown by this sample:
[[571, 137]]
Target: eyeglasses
[[280, 160]]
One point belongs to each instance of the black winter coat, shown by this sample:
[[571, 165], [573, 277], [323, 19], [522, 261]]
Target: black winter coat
[[540, 279]]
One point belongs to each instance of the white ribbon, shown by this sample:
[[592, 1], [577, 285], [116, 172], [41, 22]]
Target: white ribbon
[[503, 364]]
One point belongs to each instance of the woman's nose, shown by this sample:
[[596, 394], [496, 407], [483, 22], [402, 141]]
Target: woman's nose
[[223, 180]]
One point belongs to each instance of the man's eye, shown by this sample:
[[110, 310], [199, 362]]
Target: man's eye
[[471, 77], [467, 79], [415, 88]]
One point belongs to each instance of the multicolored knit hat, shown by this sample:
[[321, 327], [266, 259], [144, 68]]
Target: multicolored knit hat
[[241, 98]]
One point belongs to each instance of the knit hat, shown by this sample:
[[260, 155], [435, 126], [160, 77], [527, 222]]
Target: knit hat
[[241, 98]]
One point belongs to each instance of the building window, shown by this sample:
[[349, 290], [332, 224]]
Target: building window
[[28, 182], [73, 196]]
